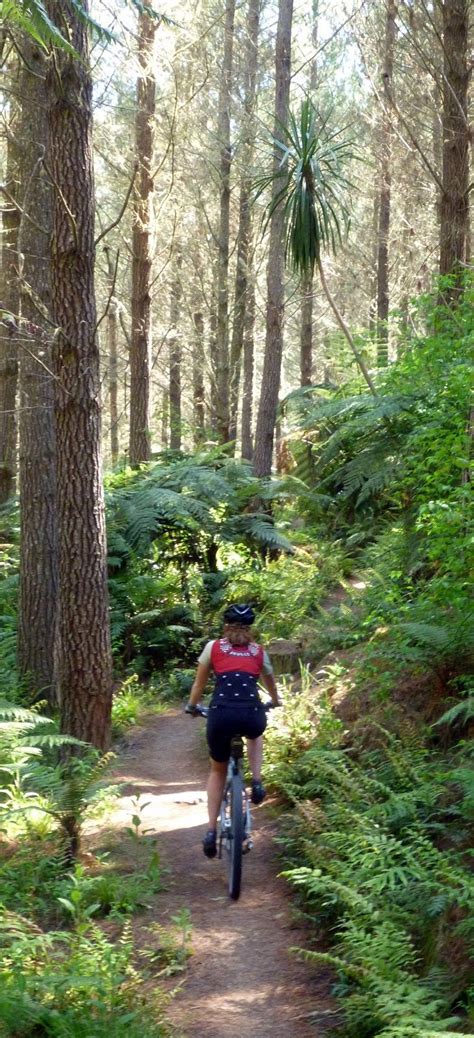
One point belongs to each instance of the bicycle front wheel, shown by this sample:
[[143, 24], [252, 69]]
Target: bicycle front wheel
[[236, 836]]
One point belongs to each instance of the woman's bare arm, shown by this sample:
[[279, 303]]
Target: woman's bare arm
[[269, 684], [199, 683]]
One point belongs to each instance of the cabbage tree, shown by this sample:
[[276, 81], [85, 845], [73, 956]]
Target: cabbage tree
[[315, 195]]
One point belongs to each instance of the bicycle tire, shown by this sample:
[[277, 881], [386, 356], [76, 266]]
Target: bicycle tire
[[237, 835]]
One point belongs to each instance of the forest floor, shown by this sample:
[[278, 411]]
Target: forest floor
[[242, 980]]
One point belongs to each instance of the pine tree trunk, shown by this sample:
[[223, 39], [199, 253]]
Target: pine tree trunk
[[82, 655], [165, 419], [175, 357], [9, 302], [275, 269], [244, 236], [306, 333], [37, 453], [383, 234], [456, 137], [222, 329], [142, 246], [248, 366], [112, 359], [198, 378], [214, 359]]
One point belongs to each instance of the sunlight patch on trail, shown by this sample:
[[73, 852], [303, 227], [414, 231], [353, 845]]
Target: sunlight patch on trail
[[164, 812]]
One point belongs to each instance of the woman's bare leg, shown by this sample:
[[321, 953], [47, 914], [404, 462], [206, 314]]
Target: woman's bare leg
[[255, 756], [215, 790]]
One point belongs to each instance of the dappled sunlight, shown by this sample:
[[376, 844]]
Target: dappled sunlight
[[143, 784], [162, 812]]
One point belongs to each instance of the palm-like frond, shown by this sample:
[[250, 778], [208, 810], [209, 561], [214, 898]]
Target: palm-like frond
[[31, 17], [314, 186]]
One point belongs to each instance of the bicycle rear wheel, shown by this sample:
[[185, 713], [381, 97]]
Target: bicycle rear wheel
[[236, 836]]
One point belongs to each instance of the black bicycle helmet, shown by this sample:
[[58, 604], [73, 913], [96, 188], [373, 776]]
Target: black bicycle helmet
[[239, 614]]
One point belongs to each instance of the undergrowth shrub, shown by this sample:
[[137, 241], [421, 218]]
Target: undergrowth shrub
[[378, 850], [73, 985]]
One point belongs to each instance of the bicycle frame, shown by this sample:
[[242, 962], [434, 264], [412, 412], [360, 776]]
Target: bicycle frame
[[235, 821], [235, 767]]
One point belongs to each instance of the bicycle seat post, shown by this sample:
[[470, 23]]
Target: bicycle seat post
[[237, 750]]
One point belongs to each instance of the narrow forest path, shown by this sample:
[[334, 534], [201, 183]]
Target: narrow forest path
[[242, 981]]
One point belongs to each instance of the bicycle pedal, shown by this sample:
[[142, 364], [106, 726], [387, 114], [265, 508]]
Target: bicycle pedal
[[247, 847]]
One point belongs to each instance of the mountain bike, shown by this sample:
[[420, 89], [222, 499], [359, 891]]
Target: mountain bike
[[234, 834]]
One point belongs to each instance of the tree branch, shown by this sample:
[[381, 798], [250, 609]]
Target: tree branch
[[345, 330], [122, 211]]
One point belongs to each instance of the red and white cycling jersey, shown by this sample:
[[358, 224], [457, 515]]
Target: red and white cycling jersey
[[247, 659]]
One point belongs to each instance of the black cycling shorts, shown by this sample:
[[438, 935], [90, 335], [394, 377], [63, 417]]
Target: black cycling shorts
[[223, 722]]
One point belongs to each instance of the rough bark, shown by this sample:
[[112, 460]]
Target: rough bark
[[175, 357], [9, 302], [222, 327], [454, 197], [142, 246], [383, 232], [275, 268], [244, 234], [37, 443], [82, 653]]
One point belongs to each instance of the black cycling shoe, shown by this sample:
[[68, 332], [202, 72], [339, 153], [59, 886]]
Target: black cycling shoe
[[209, 843], [258, 792]]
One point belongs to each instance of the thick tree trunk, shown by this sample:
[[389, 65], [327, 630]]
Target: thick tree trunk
[[82, 655], [244, 236], [142, 246], [456, 136], [222, 329], [275, 269], [112, 327], [37, 454], [383, 233], [9, 302], [175, 357], [248, 366]]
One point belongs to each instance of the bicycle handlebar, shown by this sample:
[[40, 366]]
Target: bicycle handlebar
[[196, 711], [202, 711]]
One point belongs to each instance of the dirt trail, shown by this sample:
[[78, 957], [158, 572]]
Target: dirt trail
[[241, 981]]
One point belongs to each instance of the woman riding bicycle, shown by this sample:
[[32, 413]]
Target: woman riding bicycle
[[235, 708]]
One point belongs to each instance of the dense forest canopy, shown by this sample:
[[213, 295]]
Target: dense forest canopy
[[236, 333]]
